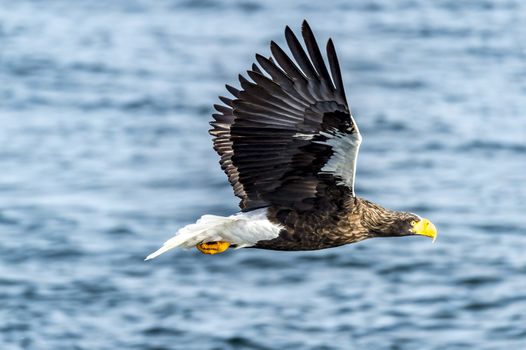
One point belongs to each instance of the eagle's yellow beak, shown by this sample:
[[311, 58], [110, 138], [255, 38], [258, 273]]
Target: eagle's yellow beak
[[425, 227]]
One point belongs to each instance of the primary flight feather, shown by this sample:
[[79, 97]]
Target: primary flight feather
[[289, 145]]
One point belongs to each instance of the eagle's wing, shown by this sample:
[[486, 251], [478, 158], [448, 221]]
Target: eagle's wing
[[287, 138]]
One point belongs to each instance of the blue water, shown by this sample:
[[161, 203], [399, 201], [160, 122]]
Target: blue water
[[104, 154]]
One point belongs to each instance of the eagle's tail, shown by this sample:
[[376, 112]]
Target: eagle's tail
[[206, 229]]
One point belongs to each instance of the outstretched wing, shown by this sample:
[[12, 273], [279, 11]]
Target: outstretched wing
[[287, 138]]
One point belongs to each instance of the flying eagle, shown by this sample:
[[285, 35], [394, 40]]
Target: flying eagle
[[289, 144]]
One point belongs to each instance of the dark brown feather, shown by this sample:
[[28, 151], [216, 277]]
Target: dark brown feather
[[342, 221]]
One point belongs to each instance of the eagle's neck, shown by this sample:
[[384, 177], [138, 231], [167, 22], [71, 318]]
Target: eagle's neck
[[375, 219]]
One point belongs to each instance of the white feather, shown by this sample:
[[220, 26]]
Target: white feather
[[303, 136], [241, 229]]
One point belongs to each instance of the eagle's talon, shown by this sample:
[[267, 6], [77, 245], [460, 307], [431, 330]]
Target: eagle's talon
[[213, 247]]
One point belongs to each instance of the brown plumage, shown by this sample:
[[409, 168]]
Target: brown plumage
[[288, 145], [357, 220]]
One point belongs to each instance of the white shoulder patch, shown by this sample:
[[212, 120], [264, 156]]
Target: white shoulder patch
[[345, 147]]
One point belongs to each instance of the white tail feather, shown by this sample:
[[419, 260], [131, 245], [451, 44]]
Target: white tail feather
[[193, 234], [241, 230]]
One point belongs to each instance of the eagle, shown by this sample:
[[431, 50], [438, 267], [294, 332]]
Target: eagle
[[288, 143]]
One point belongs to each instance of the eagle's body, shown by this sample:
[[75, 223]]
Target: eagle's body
[[289, 145], [355, 220]]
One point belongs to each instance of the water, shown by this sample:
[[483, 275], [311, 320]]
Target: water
[[104, 154]]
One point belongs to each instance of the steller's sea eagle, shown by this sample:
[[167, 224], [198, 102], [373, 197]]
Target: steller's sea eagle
[[288, 144]]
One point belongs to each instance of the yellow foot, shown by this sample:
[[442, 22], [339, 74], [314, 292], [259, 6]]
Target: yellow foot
[[213, 247]]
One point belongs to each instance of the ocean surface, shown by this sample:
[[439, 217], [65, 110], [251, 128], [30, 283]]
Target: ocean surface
[[104, 154]]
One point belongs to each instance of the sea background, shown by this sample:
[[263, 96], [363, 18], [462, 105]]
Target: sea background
[[104, 154]]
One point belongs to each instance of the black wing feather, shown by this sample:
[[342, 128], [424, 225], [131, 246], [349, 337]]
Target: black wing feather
[[315, 55], [299, 54], [335, 71]]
